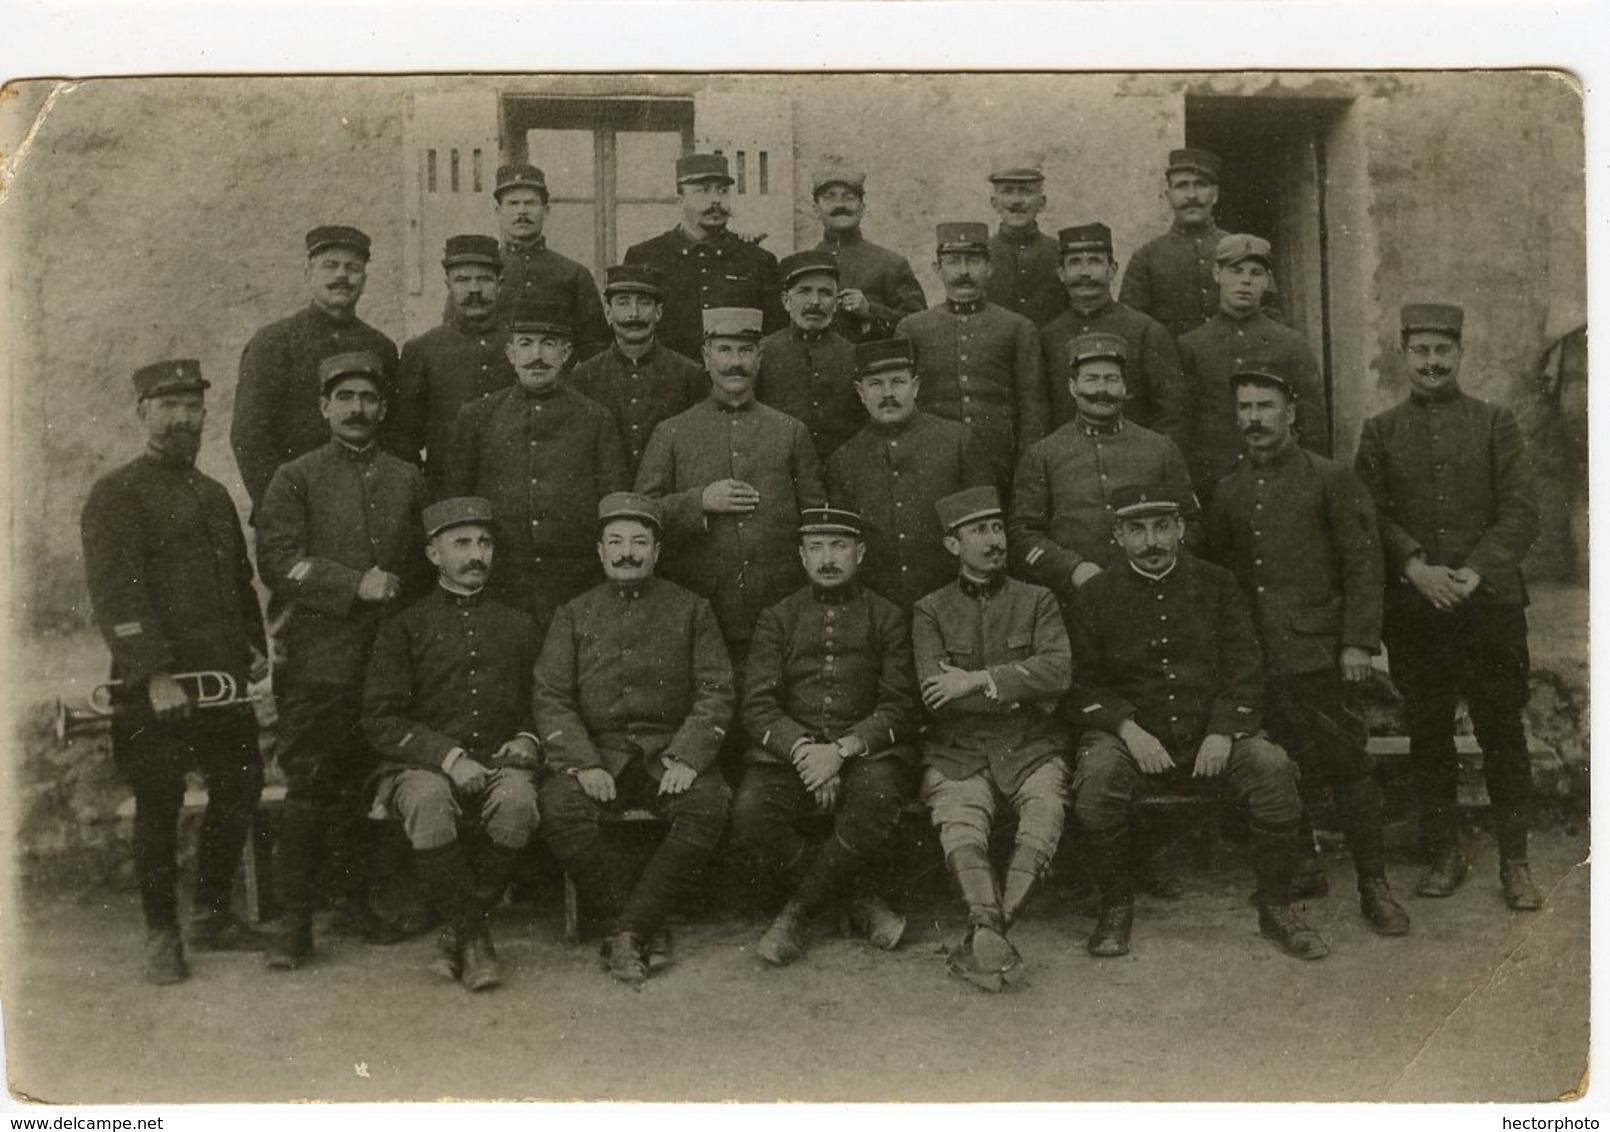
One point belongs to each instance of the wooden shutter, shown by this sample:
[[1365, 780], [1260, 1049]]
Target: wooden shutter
[[756, 132]]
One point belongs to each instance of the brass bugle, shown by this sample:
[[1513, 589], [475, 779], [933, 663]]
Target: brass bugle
[[207, 689]]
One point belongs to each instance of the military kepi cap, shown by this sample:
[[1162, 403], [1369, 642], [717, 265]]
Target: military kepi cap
[[1085, 238], [883, 354], [1019, 168], [1088, 347], [355, 363], [1193, 161], [968, 506], [533, 317], [830, 175], [1445, 318], [732, 322], [337, 236], [634, 278], [702, 167], [830, 521], [1234, 249], [519, 177], [962, 236], [1137, 501], [807, 263], [628, 505], [472, 249], [1268, 373], [180, 375], [456, 512]]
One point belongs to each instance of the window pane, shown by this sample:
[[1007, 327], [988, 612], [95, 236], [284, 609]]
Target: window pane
[[645, 164], [635, 223], [565, 158], [570, 231]]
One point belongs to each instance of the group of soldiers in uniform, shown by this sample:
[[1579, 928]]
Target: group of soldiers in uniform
[[750, 544]]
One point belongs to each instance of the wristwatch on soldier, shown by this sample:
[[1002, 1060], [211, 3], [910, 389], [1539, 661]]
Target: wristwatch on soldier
[[850, 747]]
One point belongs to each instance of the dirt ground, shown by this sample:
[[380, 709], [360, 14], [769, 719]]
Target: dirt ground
[[1478, 1003]]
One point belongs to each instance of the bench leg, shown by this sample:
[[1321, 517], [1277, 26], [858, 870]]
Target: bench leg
[[572, 925]]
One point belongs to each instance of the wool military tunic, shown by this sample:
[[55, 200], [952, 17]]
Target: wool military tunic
[[169, 579], [1023, 274], [719, 271], [1450, 477], [1159, 398], [535, 273], [451, 670], [1014, 631], [640, 392], [741, 563], [892, 477], [883, 276], [543, 460], [1170, 278], [1177, 654], [1299, 533], [826, 664], [633, 671], [1060, 514], [1210, 355], [326, 519], [980, 365], [810, 375], [277, 414], [441, 371]]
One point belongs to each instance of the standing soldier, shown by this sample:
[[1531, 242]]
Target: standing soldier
[[703, 263], [1171, 277], [463, 359], [806, 370], [1298, 532], [732, 477], [1157, 396], [992, 656], [892, 472], [447, 705], [980, 363], [338, 542], [1458, 511], [639, 379], [172, 593], [1238, 336], [830, 705], [534, 272], [543, 455], [277, 414], [1023, 259], [876, 286], [633, 699]]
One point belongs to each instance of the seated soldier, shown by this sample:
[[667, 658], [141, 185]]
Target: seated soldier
[[633, 697], [830, 704], [447, 707], [992, 655], [1170, 691]]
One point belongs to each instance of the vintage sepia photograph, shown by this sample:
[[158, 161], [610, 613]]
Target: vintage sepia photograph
[[840, 587]]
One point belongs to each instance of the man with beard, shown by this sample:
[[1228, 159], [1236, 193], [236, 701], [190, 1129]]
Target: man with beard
[[704, 264], [1156, 394], [980, 363], [446, 368], [1240, 335], [447, 705], [171, 588], [1458, 512], [1170, 684], [1298, 531], [277, 414], [991, 654], [1061, 523], [544, 456], [892, 472], [806, 370], [1023, 259], [876, 286], [633, 699], [338, 542], [830, 706], [732, 476], [638, 379], [535, 273]]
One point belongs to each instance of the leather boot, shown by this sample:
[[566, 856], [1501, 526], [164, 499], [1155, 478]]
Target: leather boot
[[301, 835], [1520, 893], [784, 941], [494, 868], [1447, 872], [479, 970], [626, 958], [1113, 925], [1023, 872], [1274, 860], [164, 957], [986, 957], [448, 883], [1281, 924], [1109, 854], [448, 962], [1380, 908], [882, 925]]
